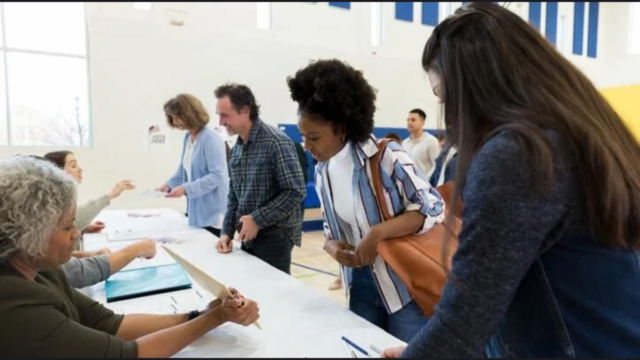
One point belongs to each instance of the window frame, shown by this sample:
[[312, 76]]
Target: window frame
[[4, 49]]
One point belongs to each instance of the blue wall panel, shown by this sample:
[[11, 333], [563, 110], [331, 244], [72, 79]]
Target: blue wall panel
[[430, 13], [592, 41], [578, 28], [404, 11], [552, 22], [344, 5], [535, 14]]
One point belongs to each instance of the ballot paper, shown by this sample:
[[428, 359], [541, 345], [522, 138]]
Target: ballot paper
[[153, 194], [208, 283]]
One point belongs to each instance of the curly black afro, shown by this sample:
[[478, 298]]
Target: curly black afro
[[337, 93]]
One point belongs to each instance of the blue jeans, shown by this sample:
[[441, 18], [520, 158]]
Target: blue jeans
[[365, 301]]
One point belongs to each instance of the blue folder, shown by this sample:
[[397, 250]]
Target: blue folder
[[134, 283]]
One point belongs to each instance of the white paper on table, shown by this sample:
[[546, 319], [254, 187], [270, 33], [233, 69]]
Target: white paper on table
[[126, 234], [142, 225], [161, 258], [175, 302], [203, 279]]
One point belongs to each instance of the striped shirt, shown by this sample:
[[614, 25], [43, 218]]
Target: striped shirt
[[405, 189]]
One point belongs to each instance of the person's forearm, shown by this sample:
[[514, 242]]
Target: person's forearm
[[406, 223], [166, 343], [81, 254], [87, 212], [122, 257], [134, 326]]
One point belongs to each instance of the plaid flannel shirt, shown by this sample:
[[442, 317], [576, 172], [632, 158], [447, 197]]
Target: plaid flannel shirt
[[266, 182]]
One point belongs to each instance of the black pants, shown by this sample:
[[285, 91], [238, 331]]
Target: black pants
[[212, 230], [272, 247]]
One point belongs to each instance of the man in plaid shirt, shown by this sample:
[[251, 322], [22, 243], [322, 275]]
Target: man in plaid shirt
[[267, 184]]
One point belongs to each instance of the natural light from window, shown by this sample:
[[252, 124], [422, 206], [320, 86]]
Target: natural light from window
[[46, 85]]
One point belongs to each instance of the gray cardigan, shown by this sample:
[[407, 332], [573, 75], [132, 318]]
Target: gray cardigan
[[90, 270], [87, 212], [87, 271]]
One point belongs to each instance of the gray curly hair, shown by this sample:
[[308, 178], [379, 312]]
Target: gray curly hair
[[35, 196]]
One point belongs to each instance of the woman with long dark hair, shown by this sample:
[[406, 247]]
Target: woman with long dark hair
[[547, 264]]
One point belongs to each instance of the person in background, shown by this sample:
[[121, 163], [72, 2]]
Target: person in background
[[202, 175], [336, 106], [442, 139], [547, 262], [89, 268], [267, 183], [394, 136], [86, 213], [421, 146], [445, 165], [42, 316], [304, 165]]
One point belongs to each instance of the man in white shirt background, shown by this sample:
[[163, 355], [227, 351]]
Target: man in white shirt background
[[423, 147]]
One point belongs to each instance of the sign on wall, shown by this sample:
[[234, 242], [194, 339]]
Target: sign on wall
[[157, 137]]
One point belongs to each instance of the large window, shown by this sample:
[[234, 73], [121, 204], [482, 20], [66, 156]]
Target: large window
[[44, 96], [634, 28]]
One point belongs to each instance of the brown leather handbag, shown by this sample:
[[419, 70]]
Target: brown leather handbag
[[418, 259]]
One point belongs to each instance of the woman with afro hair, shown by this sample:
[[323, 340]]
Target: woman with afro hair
[[335, 107]]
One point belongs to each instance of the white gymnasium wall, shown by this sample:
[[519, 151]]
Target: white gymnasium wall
[[138, 61]]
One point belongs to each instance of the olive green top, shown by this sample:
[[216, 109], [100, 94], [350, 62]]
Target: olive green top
[[48, 318]]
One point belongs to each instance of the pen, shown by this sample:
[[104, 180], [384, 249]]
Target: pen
[[355, 346], [374, 348], [349, 351]]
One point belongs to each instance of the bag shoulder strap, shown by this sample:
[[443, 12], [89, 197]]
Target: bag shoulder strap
[[377, 182]]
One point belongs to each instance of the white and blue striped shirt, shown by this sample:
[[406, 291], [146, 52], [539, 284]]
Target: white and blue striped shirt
[[405, 189]]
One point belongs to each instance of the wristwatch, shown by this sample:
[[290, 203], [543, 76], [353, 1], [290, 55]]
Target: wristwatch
[[193, 314]]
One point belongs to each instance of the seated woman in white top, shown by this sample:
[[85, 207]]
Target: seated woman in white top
[[67, 161], [89, 268]]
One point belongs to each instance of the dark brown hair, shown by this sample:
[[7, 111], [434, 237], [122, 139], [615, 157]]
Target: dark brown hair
[[240, 96], [189, 109], [420, 113], [498, 73], [58, 157], [333, 91], [393, 135]]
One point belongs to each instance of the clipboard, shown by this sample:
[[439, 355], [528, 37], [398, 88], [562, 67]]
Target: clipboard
[[213, 286], [129, 284]]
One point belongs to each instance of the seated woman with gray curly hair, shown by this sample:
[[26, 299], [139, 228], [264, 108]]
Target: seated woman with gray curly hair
[[42, 316]]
